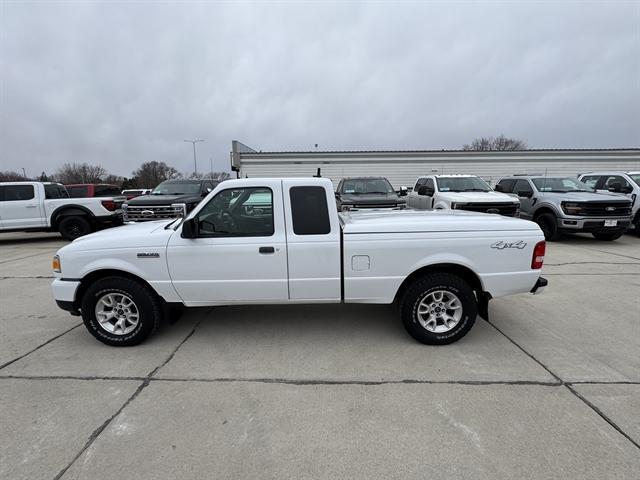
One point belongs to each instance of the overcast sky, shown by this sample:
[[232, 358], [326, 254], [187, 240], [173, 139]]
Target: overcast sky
[[121, 83]]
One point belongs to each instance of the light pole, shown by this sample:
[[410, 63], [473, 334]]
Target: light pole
[[195, 163], [24, 174]]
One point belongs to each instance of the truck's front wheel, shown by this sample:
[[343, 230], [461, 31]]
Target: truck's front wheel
[[439, 308], [119, 311]]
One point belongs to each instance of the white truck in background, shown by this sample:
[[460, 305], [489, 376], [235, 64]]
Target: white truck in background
[[460, 192], [46, 206], [282, 241]]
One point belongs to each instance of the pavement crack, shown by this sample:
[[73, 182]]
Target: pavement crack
[[38, 347], [145, 382], [568, 386], [603, 416]]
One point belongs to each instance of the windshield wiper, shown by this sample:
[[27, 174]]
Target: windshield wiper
[[475, 190]]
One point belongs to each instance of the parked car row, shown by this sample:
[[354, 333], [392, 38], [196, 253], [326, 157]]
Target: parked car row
[[604, 204]]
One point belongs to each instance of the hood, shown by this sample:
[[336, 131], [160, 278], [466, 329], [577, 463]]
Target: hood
[[488, 197], [163, 199], [393, 221], [370, 198], [585, 197], [130, 235]]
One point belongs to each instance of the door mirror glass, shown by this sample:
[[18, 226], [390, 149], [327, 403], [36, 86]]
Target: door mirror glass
[[499, 188], [403, 191], [525, 193], [189, 228]]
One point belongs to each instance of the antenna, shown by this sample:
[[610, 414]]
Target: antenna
[[318, 175]]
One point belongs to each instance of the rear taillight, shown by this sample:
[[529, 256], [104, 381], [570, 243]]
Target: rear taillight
[[109, 205], [538, 256]]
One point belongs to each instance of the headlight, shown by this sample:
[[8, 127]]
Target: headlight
[[55, 264], [571, 208]]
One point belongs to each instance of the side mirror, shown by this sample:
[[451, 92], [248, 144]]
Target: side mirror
[[189, 228], [403, 191], [627, 189], [498, 188], [525, 193]]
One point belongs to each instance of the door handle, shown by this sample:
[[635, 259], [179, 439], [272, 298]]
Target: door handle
[[267, 250], [31, 206]]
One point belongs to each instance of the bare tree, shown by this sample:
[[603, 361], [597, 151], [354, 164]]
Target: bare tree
[[71, 173], [485, 144], [150, 174], [11, 177], [219, 176], [114, 179]]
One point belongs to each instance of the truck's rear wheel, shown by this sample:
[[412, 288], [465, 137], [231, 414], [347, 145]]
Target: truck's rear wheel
[[119, 311], [439, 308], [74, 227]]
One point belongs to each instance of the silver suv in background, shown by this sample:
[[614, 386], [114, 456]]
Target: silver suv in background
[[566, 205], [622, 183]]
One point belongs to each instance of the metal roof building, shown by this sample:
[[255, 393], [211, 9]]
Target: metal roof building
[[403, 167]]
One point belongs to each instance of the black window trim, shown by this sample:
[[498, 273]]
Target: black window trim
[[239, 235]]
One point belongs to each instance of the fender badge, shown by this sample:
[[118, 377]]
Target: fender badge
[[148, 255], [501, 245]]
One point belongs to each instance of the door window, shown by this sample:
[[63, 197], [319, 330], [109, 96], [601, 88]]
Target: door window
[[238, 212], [591, 180], [419, 183], [506, 185], [15, 193], [309, 211], [522, 186], [613, 180], [55, 191], [107, 191], [429, 183]]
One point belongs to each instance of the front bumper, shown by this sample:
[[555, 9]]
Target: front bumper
[[540, 285], [592, 224], [64, 293]]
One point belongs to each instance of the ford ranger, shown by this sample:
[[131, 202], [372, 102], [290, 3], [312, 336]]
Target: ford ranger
[[46, 206], [460, 192], [282, 241]]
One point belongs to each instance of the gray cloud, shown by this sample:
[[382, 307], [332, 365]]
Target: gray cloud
[[121, 83]]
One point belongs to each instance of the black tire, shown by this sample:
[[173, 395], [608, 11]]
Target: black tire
[[74, 227], [608, 236], [636, 224], [549, 225], [422, 288], [146, 302]]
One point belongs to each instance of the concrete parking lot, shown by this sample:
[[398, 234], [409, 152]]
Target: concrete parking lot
[[549, 388]]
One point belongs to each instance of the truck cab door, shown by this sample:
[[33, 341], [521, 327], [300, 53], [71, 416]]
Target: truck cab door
[[20, 206], [238, 253], [313, 242]]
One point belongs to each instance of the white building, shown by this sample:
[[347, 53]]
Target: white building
[[404, 167]]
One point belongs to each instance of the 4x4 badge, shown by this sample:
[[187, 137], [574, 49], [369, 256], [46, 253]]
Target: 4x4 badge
[[501, 245]]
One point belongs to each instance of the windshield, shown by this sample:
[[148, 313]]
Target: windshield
[[561, 185], [635, 177], [462, 184], [367, 185], [176, 188]]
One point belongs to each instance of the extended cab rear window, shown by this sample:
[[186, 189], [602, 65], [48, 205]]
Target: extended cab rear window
[[309, 211], [107, 191]]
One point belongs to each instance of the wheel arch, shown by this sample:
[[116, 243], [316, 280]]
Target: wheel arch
[[462, 271], [96, 275], [545, 208], [68, 211]]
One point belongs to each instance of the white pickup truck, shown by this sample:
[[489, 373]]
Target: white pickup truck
[[460, 192], [282, 241], [46, 206]]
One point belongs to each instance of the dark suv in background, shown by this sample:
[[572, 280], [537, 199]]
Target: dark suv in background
[[170, 199], [368, 192]]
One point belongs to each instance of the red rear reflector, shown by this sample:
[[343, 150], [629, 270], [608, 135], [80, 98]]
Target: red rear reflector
[[109, 205], [538, 256]]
